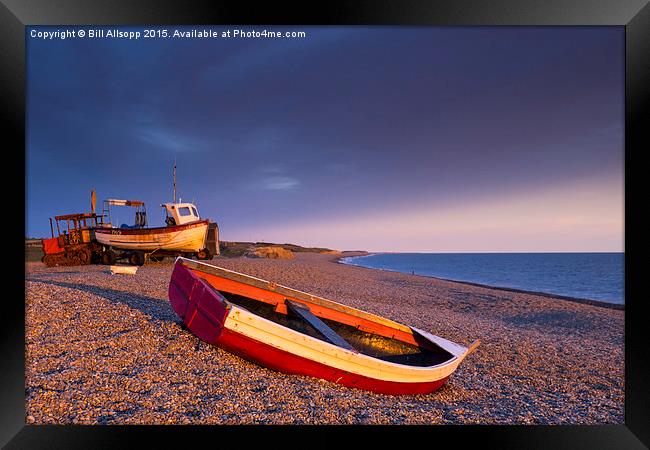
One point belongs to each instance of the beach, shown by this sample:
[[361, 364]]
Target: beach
[[109, 349]]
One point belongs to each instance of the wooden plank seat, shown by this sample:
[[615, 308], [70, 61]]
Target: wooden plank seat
[[305, 313]]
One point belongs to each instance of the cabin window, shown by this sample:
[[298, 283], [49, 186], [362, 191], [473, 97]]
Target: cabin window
[[184, 211], [194, 211]]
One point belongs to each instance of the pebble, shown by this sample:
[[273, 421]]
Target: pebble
[[108, 349]]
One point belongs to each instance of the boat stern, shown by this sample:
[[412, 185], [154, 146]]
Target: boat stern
[[201, 309]]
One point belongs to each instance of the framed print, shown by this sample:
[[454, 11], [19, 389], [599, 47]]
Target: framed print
[[404, 219]]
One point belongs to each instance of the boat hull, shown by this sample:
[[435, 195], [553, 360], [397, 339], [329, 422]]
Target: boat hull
[[189, 237], [269, 356], [241, 332]]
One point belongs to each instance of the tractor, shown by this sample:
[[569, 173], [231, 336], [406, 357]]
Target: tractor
[[74, 243]]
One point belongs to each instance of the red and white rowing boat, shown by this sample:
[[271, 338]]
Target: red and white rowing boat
[[298, 333]]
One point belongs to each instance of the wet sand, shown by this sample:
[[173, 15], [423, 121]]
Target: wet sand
[[108, 349]]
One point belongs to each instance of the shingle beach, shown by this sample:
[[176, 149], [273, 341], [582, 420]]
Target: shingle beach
[[109, 349]]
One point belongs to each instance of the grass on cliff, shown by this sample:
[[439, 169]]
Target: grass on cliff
[[233, 249]]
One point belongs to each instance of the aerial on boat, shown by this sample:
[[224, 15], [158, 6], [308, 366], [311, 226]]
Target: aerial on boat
[[298, 333]]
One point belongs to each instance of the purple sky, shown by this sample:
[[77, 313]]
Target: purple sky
[[376, 138]]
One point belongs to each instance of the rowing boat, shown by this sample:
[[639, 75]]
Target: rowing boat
[[298, 333]]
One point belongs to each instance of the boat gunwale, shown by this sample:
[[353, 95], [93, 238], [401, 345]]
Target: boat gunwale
[[153, 230]]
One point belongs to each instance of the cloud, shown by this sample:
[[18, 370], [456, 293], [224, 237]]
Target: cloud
[[273, 177], [167, 140], [278, 183]]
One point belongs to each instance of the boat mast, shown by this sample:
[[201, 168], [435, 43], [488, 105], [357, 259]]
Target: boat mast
[[174, 181]]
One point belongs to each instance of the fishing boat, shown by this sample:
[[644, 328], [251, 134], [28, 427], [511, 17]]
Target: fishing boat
[[298, 333], [184, 233]]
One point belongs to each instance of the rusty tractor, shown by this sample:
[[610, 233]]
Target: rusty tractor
[[74, 243]]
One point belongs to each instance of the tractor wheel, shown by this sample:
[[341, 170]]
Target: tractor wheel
[[136, 259], [50, 260], [203, 254], [85, 256], [108, 257], [72, 259], [95, 258]]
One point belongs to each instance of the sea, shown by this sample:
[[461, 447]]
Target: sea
[[591, 276]]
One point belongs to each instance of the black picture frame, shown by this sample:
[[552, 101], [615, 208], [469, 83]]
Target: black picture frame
[[634, 15]]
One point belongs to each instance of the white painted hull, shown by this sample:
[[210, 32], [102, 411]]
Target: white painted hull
[[293, 342], [183, 238]]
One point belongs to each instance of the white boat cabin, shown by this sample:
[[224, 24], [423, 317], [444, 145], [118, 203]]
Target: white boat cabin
[[180, 213]]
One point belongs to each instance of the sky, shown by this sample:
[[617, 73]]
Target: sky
[[399, 139]]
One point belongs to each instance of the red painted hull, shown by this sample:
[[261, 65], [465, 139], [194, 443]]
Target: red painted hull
[[273, 358], [203, 313]]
